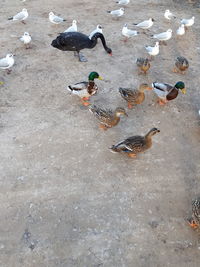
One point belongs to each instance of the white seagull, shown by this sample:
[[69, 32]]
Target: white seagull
[[128, 33], [181, 30], [146, 24], [123, 2], [188, 22], [153, 50], [169, 15], [72, 28], [26, 39], [98, 29], [163, 36], [7, 62], [21, 16], [55, 19], [117, 13]]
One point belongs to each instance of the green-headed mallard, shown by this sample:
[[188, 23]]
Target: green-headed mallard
[[195, 220], [181, 65], [85, 89], [143, 65], [135, 144], [134, 97], [167, 92], [107, 117]]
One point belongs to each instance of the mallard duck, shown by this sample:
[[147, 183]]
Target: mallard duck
[[85, 89], [107, 117], [195, 220], [76, 41], [143, 65], [167, 92], [134, 97], [135, 144], [181, 65]]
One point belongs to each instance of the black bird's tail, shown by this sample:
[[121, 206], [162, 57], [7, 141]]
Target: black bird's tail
[[10, 18], [108, 11]]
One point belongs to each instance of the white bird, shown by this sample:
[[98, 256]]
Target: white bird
[[55, 19], [128, 33], [117, 12], [181, 30], [98, 29], [26, 39], [7, 62], [72, 28], [163, 36], [153, 50], [188, 22], [146, 24], [21, 16], [123, 2], [169, 15]]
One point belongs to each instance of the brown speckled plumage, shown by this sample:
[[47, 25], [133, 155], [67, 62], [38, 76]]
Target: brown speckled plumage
[[143, 64]]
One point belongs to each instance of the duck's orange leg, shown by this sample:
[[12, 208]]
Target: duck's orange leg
[[193, 224], [130, 106], [84, 99], [102, 127], [132, 155], [161, 102]]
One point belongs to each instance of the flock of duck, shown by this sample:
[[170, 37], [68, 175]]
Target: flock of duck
[[72, 40]]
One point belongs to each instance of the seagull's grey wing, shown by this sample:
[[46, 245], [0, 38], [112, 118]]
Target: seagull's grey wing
[[19, 16], [3, 63], [57, 19]]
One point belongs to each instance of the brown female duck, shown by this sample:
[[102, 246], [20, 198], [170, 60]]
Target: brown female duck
[[195, 220], [107, 117], [143, 65], [181, 65], [134, 97], [135, 144]]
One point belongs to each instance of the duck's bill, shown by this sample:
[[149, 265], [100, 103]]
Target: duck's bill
[[100, 78], [183, 91]]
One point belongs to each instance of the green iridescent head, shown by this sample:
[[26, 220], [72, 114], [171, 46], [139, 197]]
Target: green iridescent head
[[94, 75], [180, 85]]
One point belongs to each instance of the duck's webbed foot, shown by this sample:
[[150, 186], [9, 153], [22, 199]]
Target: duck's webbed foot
[[81, 57]]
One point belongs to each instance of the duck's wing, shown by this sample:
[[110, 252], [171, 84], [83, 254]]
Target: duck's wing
[[196, 209], [128, 94], [165, 87], [140, 62], [132, 144], [78, 86], [104, 115]]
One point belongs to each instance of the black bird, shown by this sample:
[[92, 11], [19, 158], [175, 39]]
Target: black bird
[[76, 41]]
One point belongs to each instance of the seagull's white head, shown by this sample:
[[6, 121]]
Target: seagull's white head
[[122, 9], [24, 10], [193, 17], [99, 27], [157, 44], [169, 30], [9, 55], [51, 13], [74, 22], [26, 33]]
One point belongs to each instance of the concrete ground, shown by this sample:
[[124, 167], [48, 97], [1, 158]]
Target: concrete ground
[[66, 200]]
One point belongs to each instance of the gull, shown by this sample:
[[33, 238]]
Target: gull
[[26, 39], [55, 19], [146, 24], [117, 13], [7, 62], [181, 30], [123, 2], [98, 29], [188, 22], [153, 50], [21, 16], [163, 36], [169, 15], [128, 33], [72, 28]]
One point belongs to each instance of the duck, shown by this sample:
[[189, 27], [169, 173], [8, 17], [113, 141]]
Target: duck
[[194, 222], [55, 19], [153, 50], [143, 65], [85, 89], [128, 33], [73, 27], [134, 97], [169, 15], [135, 144], [98, 29], [163, 36], [76, 41], [107, 117], [26, 39], [21, 16], [181, 65], [7, 62], [145, 25], [167, 92]]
